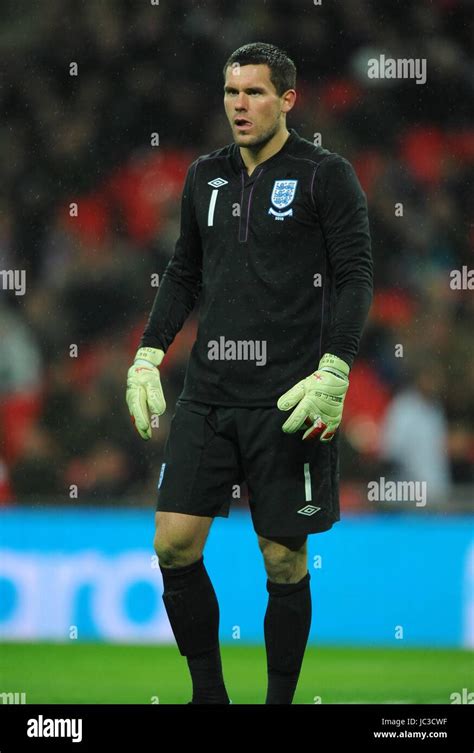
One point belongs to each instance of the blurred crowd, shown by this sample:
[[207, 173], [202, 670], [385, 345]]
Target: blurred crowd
[[106, 104]]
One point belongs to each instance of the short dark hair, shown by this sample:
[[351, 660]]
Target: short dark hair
[[282, 67]]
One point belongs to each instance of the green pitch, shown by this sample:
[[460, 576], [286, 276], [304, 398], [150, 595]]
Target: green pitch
[[100, 673]]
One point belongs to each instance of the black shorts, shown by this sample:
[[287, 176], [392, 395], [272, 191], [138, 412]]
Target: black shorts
[[292, 485]]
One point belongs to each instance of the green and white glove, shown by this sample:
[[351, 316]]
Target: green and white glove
[[319, 400], [144, 394]]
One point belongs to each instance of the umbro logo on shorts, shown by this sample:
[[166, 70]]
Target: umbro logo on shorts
[[308, 510]]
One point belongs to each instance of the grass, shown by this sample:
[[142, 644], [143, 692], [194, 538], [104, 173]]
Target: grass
[[94, 673]]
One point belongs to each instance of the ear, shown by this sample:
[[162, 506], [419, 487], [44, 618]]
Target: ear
[[288, 100]]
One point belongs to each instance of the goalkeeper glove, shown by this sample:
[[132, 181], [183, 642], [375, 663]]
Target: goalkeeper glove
[[144, 394], [319, 400]]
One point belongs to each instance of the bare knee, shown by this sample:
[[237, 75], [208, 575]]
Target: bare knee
[[179, 539], [285, 559]]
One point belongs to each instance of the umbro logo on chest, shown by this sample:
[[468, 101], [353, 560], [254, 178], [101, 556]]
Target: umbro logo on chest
[[216, 184]]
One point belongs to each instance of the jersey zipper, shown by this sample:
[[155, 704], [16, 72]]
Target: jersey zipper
[[246, 203]]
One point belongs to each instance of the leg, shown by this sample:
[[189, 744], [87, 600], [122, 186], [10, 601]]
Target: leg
[[190, 600], [200, 463], [179, 538], [285, 558], [288, 616]]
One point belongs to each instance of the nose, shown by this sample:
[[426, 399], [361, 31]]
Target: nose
[[241, 103]]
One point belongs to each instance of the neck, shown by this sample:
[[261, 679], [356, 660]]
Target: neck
[[252, 157]]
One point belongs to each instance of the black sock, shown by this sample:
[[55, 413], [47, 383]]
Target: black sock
[[286, 626], [193, 611]]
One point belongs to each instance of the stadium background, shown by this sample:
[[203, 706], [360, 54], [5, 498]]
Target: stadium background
[[392, 583]]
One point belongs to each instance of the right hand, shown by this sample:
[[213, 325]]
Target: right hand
[[319, 400], [144, 394]]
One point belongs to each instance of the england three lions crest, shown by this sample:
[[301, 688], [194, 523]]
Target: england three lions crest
[[282, 196]]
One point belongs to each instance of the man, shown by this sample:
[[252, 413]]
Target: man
[[275, 238]]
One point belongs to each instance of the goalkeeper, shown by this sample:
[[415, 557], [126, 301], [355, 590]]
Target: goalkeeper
[[275, 244]]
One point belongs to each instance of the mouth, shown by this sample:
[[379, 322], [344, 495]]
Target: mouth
[[242, 124]]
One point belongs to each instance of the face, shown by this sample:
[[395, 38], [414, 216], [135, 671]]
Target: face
[[252, 105]]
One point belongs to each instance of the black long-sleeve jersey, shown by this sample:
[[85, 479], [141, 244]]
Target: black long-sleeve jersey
[[282, 263]]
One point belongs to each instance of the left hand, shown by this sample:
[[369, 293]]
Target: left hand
[[319, 400]]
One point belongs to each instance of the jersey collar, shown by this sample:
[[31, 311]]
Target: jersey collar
[[239, 164]]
